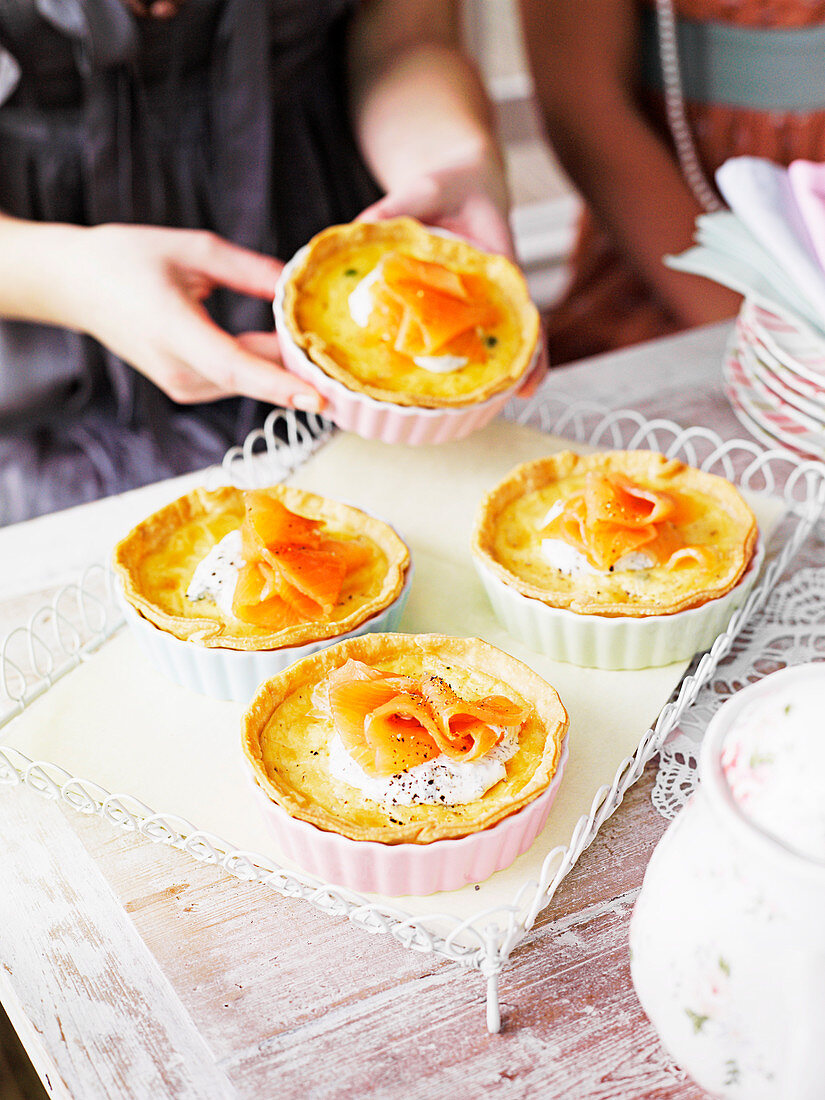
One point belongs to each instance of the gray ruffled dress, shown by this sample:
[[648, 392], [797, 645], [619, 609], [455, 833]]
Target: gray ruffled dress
[[232, 116]]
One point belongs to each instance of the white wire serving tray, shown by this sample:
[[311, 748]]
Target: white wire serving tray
[[83, 616]]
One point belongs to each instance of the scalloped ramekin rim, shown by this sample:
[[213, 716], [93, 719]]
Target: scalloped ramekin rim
[[614, 642], [748, 577], [236, 673]]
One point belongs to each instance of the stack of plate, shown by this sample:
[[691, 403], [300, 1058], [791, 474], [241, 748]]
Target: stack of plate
[[774, 374]]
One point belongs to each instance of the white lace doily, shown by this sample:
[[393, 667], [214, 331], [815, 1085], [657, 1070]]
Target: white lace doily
[[789, 630]]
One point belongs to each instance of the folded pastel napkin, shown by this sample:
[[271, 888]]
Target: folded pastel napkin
[[770, 245], [808, 186]]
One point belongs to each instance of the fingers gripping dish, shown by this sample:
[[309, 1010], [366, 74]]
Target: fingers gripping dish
[[411, 328], [405, 740], [615, 535], [269, 570]]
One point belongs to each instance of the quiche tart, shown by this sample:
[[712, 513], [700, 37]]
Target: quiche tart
[[619, 533], [400, 314], [260, 569], [405, 739]]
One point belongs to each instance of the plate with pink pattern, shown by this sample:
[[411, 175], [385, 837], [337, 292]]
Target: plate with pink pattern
[[793, 343], [790, 379], [780, 424], [760, 434], [773, 391]]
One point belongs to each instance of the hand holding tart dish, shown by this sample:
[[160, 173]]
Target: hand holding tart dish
[[406, 763], [228, 586], [620, 559], [410, 335]]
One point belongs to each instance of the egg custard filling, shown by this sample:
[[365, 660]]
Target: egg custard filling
[[408, 316], [617, 533], [405, 738], [260, 569]]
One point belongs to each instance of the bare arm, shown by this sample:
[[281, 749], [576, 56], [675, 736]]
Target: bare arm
[[423, 119], [425, 125], [583, 57], [139, 291]]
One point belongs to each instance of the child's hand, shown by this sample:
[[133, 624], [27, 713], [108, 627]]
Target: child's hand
[[139, 291], [460, 199]]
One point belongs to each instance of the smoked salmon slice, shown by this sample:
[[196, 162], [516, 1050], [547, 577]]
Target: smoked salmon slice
[[429, 308], [613, 516], [272, 523], [255, 594], [616, 499], [399, 267], [292, 571], [468, 729], [313, 571], [389, 723]]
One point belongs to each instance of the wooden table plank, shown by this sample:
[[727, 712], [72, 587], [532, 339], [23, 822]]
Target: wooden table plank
[[119, 1026]]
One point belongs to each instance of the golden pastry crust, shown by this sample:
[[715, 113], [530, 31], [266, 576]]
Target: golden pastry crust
[[316, 312], [508, 534], [286, 738], [156, 560]]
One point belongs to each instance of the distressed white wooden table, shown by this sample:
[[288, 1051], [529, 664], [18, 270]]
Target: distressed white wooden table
[[130, 970]]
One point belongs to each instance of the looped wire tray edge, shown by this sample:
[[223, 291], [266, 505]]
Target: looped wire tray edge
[[83, 616]]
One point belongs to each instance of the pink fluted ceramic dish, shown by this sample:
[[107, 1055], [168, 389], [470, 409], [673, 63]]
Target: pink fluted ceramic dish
[[406, 763], [379, 419], [400, 869]]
